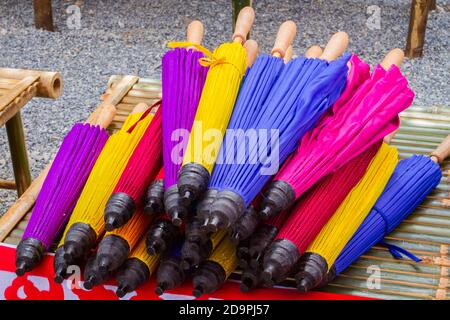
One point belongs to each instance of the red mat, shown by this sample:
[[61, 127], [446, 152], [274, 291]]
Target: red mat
[[39, 285]]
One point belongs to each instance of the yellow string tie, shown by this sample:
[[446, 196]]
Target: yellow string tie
[[210, 60]]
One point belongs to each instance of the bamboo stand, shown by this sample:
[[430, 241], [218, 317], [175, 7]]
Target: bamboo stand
[[17, 88], [425, 232]]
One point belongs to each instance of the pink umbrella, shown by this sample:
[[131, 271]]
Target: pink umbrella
[[345, 132]]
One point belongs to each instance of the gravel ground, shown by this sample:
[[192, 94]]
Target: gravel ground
[[128, 37]]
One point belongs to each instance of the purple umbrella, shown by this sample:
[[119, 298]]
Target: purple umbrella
[[182, 83], [62, 187]]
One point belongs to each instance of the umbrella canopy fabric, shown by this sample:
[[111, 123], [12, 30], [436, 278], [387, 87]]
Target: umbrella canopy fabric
[[141, 169], [183, 78], [227, 68], [358, 73], [86, 223], [60, 191], [367, 117], [305, 89], [323, 251], [310, 214], [413, 179]]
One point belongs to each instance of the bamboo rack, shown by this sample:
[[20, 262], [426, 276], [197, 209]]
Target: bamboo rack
[[426, 232]]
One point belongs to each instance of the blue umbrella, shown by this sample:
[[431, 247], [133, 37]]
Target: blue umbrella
[[258, 81], [413, 179], [304, 90]]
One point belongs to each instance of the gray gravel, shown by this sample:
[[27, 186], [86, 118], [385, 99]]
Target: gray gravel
[[128, 37]]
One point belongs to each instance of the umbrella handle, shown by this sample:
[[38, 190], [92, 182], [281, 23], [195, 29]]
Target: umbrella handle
[[244, 23], [195, 32], [313, 52], [335, 47], [442, 151], [288, 55], [395, 56], [285, 36], [140, 107], [107, 114], [251, 47]]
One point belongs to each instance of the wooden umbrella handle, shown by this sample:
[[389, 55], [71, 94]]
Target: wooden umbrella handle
[[195, 32], [387, 139], [140, 107], [251, 47], [442, 151], [244, 23], [395, 56], [106, 115], [285, 36], [288, 55], [313, 52], [335, 47]]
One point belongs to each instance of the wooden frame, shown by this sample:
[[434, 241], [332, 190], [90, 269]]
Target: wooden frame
[[17, 88]]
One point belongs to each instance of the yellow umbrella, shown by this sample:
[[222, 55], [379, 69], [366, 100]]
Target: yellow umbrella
[[323, 251], [226, 68]]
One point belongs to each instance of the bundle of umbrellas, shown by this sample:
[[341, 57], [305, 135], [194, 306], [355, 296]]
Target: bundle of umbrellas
[[267, 162]]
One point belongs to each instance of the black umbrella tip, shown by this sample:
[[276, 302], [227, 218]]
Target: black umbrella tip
[[122, 290], [29, 253], [160, 288], [154, 247], [176, 220], [198, 291], [58, 278], [89, 283], [266, 212], [21, 268]]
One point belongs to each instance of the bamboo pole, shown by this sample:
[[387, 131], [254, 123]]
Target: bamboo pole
[[43, 18], [19, 155], [6, 184], [50, 83]]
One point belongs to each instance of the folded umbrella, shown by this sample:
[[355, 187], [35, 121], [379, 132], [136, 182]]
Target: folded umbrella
[[323, 251], [413, 179], [255, 89], [304, 90], [116, 245], [358, 73], [170, 273], [136, 270], [86, 224], [142, 168], [370, 114], [213, 273], [183, 78], [226, 69], [310, 214], [62, 187]]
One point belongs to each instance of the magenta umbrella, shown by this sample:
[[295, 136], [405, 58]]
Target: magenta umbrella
[[370, 114]]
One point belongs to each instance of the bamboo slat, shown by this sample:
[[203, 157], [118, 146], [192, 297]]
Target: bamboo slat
[[426, 232]]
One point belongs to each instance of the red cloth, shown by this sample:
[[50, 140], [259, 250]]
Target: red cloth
[[39, 285]]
